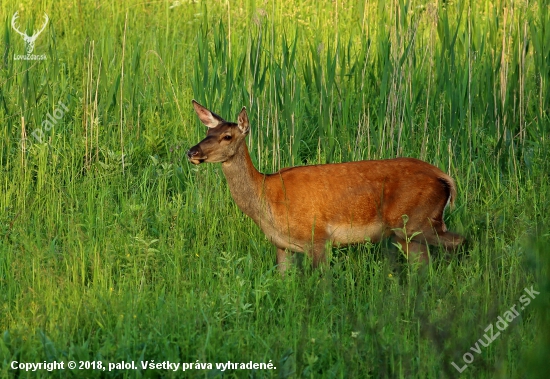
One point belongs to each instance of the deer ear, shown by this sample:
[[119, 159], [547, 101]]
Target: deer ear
[[208, 118], [242, 121]]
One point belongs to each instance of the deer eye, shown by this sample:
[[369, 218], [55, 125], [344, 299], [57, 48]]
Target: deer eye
[[227, 137]]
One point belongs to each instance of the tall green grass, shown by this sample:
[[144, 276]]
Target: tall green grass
[[114, 248]]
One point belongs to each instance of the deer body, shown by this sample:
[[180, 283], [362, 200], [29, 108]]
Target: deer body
[[304, 209]]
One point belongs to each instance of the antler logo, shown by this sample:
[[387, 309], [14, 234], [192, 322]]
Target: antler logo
[[29, 40]]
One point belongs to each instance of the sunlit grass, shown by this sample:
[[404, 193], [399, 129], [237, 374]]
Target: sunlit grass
[[153, 260]]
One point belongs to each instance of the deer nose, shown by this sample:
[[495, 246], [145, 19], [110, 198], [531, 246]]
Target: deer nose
[[191, 153]]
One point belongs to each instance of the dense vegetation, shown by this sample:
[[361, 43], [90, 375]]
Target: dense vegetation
[[114, 248]]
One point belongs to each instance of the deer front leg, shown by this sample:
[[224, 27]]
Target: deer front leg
[[284, 260]]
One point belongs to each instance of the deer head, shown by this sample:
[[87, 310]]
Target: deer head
[[29, 40], [223, 138]]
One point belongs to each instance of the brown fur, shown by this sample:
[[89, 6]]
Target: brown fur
[[304, 209]]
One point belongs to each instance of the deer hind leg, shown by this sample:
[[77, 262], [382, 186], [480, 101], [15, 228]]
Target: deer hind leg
[[449, 240], [438, 235], [414, 250], [435, 233]]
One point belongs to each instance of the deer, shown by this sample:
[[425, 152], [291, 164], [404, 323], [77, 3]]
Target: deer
[[310, 209]]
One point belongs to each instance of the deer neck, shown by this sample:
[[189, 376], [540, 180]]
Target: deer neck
[[245, 182]]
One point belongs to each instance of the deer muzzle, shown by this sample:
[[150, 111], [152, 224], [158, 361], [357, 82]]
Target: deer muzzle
[[195, 155]]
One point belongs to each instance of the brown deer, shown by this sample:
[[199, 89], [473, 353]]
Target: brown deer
[[307, 209]]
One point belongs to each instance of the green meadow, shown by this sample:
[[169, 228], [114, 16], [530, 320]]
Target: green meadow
[[115, 249]]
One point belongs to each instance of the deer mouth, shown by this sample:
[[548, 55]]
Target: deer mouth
[[196, 160], [195, 156]]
